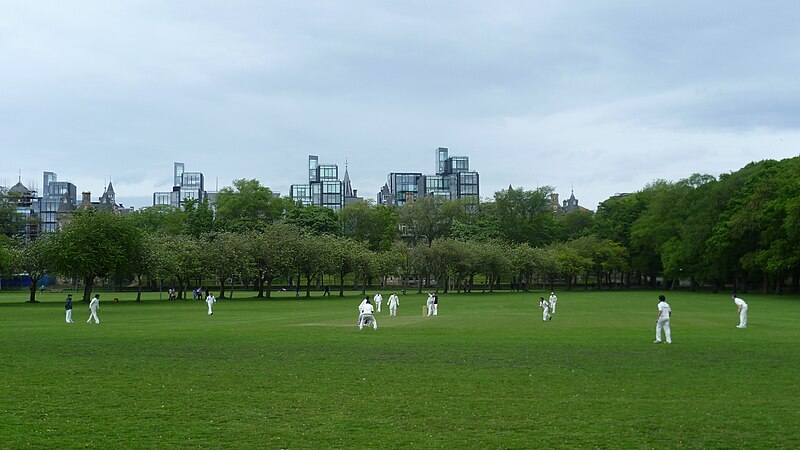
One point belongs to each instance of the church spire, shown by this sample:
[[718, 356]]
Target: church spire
[[348, 188]]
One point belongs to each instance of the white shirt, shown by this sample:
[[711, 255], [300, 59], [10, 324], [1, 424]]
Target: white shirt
[[361, 306], [544, 305], [367, 309], [378, 298], [430, 299], [211, 300], [553, 298], [739, 302], [665, 310], [393, 300], [94, 304]]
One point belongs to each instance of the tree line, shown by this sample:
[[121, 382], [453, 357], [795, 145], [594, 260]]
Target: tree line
[[739, 230]]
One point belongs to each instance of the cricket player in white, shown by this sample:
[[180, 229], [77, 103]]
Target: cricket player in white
[[662, 320], [393, 303], [429, 304], [94, 305], [553, 300], [367, 317], [361, 310], [378, 300], [545, 309], [210, 300], [742, 311]]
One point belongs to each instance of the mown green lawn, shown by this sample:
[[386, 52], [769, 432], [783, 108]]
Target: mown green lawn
[[486, 373]]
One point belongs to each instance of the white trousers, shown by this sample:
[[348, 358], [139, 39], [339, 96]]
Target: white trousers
[[364, 318], [663, 323], [743, 318], [393, 310], [93, 315], [379, 306], [435, 307], [209, 310], [69, 316], [553, 307], [546, 314]]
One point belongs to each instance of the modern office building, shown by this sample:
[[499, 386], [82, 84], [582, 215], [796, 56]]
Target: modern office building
[[55, 194], [324, 188], [186, 186], [400, 188], [452, 180]]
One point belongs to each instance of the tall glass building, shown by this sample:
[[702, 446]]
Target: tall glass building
[[324, 188], [453, 180], [186, 186], [54, 193]]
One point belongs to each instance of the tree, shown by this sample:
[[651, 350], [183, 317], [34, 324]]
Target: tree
[[271, 252], [160, 219], [374, 225], [11, 222], [452, 260], [94, 244], [312, 257], [400, 262], [569, 262], [525, 216], [735, 235], [366, 267], [493, 262], [315, 219], [482, 225], [345, 256], [199, 217], [179, 256], [33, 258], [142, 258], [575, 224], [526, 261], [249, 206], [431, 217], [226, 256], [686, 254], [6, 255], [660, 220]]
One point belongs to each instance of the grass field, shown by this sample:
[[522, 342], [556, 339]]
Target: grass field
[[485, 373]]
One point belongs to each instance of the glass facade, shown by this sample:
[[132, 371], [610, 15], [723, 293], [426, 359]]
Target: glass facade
[[324, 187], [404, 186], [186, 186], [328, 172], [301, 193], [313, 163], [453, 180], [177, 172], [457, 164], [53, 193], [441, 159], [162, 198]]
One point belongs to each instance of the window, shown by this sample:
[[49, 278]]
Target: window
[[331, 187], [330, 172], [331, 199]]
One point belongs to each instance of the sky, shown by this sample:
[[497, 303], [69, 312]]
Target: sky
[[600, 97]]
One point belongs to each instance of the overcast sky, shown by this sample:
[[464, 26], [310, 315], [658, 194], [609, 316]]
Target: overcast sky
[[605, 96]]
